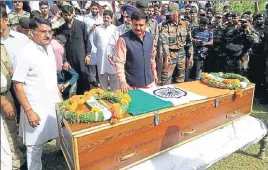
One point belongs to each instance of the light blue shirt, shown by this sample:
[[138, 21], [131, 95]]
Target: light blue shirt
[[14, 42]]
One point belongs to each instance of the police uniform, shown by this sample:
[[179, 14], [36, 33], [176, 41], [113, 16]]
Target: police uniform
[[257, 67], [14, 18], [10, 124], [173, 39]]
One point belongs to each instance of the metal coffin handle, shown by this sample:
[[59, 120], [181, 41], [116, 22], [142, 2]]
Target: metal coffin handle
[[120, 159], [188, 133]]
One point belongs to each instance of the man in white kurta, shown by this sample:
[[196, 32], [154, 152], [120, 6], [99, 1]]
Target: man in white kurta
[[36, 87], [101, 37]]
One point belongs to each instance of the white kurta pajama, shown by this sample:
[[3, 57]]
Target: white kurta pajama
[[107, 72], [36, 68]]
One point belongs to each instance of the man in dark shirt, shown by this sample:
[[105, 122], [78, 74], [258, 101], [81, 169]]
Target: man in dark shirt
[[78, 47]]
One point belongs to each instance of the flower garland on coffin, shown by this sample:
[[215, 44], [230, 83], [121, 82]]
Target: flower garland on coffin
[[71, 108], [226, 81]]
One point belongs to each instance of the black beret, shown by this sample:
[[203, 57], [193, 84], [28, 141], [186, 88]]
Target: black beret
[[24, 22], [204, 21]]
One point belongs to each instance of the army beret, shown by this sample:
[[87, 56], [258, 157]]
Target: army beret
[[204, 21], [24, 22], [142, 4]]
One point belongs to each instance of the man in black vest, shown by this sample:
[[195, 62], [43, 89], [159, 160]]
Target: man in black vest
[[135, 64]]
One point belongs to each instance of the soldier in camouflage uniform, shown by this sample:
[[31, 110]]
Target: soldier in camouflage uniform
[[239, 43], [18, 13], [175, 34], [257, 59], [218, 61]]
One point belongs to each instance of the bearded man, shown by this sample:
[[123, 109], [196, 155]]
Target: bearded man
[[78, 47]]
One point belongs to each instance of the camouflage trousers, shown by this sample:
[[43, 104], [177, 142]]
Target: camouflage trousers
[[10, 126], [236, 66], [173, 70]]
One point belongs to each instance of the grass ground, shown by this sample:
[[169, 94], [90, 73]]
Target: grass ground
[[240, 160]]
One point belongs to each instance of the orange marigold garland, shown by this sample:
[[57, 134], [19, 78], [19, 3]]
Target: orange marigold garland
[[71, 109], [115, 109]]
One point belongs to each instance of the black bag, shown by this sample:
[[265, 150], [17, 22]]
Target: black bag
[[234, 50]]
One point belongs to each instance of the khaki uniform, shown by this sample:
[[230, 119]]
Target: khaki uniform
[[10, 124], [14, 18], [176, 43]]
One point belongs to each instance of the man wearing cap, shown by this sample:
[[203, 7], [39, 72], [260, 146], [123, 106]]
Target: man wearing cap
[[175, 36], [256, 63], [194, 18], [202, 39], [24, 26], [18, 13], [218, 59], [135, 67]]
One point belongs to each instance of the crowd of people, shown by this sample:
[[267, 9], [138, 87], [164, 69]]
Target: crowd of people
[[52, 50]]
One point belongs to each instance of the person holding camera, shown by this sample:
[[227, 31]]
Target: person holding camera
[[239, 42], [202, 39]]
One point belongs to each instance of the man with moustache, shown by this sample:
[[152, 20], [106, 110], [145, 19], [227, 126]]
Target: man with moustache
[[135, 67], [35, 81], [78, 47], [175, 39], [127, 12]]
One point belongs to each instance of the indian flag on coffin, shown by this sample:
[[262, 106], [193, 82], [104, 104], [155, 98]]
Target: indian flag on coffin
[[152, 99]]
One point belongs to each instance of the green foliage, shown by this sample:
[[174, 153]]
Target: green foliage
[[244, 6], [240, 6]]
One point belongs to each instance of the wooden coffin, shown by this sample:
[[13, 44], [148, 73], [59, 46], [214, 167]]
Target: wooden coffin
[[101, 146]]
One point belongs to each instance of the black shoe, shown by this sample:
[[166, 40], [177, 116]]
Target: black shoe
[[95, 84]]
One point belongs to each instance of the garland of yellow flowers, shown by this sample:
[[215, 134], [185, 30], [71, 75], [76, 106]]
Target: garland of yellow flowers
[[69, 108], [230, 81]]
